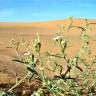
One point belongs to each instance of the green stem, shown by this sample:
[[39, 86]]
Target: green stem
[[18, 83], [42, 66]]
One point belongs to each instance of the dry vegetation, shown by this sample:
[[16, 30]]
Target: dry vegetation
[[68, 69]]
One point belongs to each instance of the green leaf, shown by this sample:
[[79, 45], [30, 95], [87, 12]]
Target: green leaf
[[19, 61], [31, 70]]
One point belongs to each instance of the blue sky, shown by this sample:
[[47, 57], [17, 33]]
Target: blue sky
[[45, 10]]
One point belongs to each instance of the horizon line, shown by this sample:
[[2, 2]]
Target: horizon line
[[42, 21]]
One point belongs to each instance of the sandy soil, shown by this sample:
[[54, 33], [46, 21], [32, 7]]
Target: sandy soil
[[8, 69]]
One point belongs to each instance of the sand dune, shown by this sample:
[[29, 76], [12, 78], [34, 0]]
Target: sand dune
[[28, 31]]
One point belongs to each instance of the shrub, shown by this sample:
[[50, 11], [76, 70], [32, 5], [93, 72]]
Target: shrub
[[63, 84]]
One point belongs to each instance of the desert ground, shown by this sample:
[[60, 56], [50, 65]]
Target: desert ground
[[47, 30]]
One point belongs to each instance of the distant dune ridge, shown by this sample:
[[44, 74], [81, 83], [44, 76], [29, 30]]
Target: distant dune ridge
[[42, 24], [47, 30]]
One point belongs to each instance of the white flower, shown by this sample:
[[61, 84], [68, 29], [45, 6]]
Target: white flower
[[27, 53], [57, 38]]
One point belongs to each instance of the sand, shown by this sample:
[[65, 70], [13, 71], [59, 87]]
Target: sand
[[47, 30]]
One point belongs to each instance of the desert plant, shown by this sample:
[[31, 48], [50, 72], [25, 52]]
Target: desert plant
[[63, 83]]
